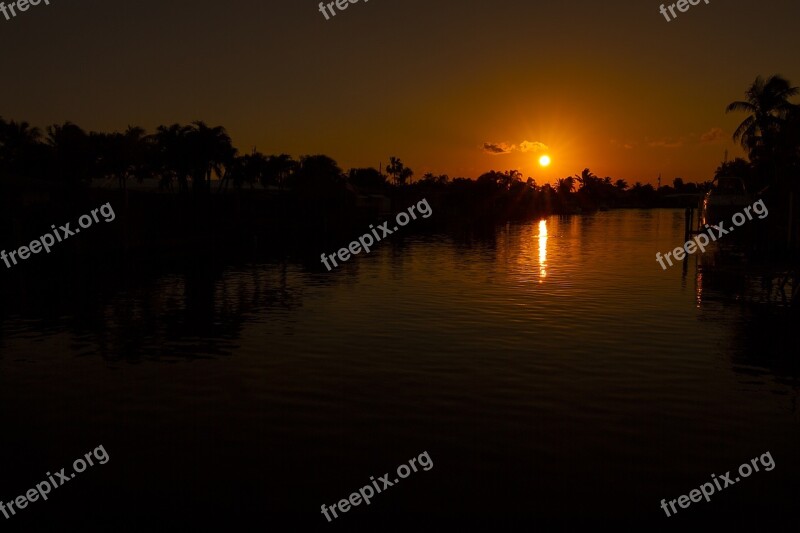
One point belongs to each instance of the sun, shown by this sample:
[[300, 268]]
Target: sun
[[544, 160]]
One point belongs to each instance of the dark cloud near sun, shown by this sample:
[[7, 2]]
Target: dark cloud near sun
[[497, 148], [505, 148]]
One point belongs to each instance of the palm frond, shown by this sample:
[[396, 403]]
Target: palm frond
[[745, 129], [745, 107]]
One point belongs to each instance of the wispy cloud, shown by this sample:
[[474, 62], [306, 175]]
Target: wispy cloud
[[667, 143], [712, 136], [627, 145], [535, 146], [505, 148]]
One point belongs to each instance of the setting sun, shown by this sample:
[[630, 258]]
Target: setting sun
[[544, 161]]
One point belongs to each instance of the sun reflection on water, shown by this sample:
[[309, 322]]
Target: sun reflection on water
[[542, 250]]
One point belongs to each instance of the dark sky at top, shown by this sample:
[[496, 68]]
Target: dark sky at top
[[609, 85]]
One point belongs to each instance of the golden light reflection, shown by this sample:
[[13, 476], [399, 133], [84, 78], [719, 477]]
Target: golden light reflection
[[542, 250], [699, 288]]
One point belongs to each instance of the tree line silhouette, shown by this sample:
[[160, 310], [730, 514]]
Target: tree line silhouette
[[188, 159]]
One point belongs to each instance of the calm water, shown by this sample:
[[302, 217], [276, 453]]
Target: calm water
[[552, 371]]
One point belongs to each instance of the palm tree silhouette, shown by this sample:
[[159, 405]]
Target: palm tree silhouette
[[247, 169], [121, 155], [211, 151], [171, 154], [394, 167], [767, 102], [587, 180], [566, 185], [278, 170], [317, 174], [18, 141], [72, 152], [405, 175]]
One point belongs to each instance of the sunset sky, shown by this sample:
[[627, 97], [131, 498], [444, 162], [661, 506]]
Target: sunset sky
[[446, 85]]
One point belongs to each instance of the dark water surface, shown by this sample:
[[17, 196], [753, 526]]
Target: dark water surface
[[552, 371]]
